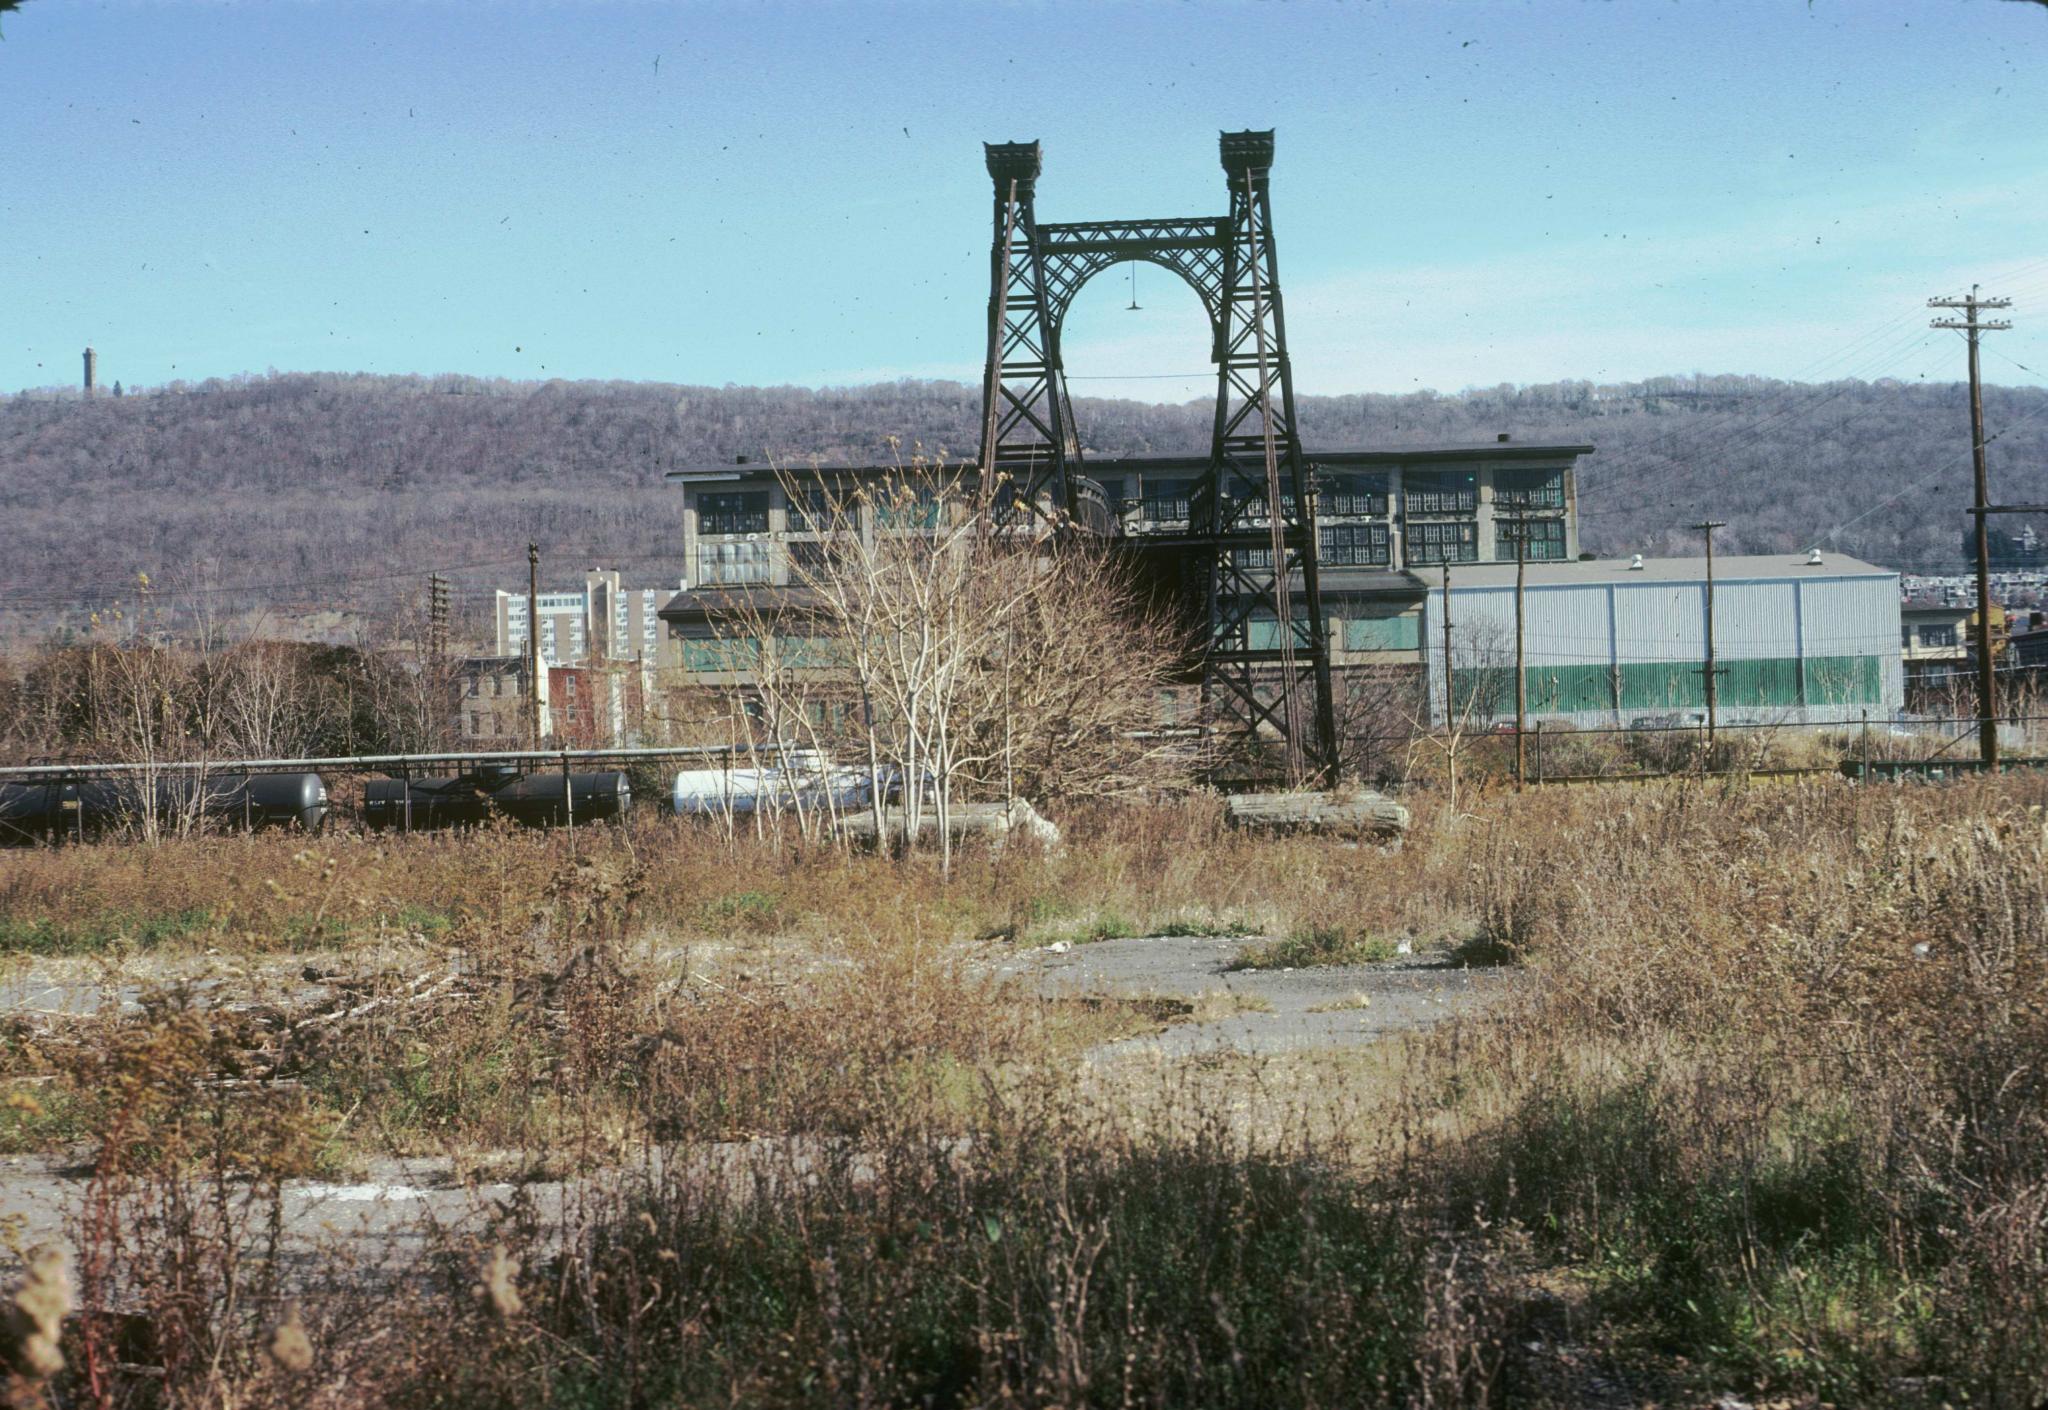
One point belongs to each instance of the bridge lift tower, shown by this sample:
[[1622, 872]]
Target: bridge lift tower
[[1248, 552]]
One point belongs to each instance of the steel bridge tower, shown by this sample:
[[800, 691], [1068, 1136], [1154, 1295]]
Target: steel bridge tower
[[1249, 550]]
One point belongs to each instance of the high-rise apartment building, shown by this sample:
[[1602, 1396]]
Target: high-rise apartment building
[[601, 621]]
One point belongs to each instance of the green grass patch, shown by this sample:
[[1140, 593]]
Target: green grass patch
[[1782, 1264], [742, 912], [1205, 928], [1054, 1269], [1316, 947], [43, 936], [1075, 927], [318, 932], [43, 1116]]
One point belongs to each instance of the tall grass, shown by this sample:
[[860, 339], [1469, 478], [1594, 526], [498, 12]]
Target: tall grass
[[1769, 1113]]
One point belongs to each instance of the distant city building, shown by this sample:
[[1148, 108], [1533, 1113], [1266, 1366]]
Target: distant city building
[[2028, 645], [491, 703], [605, 705], [601, 621], [1934, 646]]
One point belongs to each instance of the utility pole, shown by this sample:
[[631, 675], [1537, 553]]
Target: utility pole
[[437, 620], [1520, 525], [1449, 705], [1710, 672], [533, 645], [1987, 682], [442, 698]]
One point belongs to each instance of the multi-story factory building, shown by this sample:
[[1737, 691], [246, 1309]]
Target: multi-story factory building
[[1394, 509], [1608, 641]]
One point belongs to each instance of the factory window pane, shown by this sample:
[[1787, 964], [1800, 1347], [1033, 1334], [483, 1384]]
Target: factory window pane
[[1938, 636], [811, 506], [1546, 538], [1355, 496], [1165, 500], [1442, 543], [1355, 545], [1440, 491], [1528, 489], [733, 563], [1255, 504], [733, 512], [809, 557], [907, 507]]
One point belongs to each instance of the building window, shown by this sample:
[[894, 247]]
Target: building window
[[1260, 558], [1355, 497], [733, 563], [1451, 542], [1355, 545], [476, 722], [1938, 636], [1440, 491], [1256, 508], [1165, 501], [810, 506], [1546, 538], [907, 507], [733, 512], [809, 557], [1528, 489]]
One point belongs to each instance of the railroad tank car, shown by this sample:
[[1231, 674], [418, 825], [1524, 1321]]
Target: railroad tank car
[[29, 811], [806, 778], [551, 799], [454, 801], [32, 811], [468, 800]]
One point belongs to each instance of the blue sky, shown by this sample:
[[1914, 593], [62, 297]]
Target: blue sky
[[1464, 193]]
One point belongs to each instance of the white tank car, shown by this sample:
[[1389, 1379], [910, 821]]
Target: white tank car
[[801, 778]]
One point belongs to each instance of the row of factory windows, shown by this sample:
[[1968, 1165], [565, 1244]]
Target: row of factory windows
[[814, 505], [1342, 546]]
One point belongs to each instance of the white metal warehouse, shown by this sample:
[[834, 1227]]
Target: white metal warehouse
[[1799, 638]]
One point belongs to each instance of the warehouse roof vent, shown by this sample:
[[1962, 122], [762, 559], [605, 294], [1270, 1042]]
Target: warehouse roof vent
[[1813, 558], [1635, 564]]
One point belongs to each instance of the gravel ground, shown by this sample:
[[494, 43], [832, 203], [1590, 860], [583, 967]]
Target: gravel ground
[[382, 1214], [1277, 1010]]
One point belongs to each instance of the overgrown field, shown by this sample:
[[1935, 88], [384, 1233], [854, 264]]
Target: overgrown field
[[1768, 1115]]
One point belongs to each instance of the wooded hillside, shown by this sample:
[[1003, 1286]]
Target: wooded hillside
[[297, 491]]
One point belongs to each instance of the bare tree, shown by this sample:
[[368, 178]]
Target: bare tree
[[269, 702], [956, 643], [136, 685]]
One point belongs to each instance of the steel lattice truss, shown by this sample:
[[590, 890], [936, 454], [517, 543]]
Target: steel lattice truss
[[1266, 656]]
